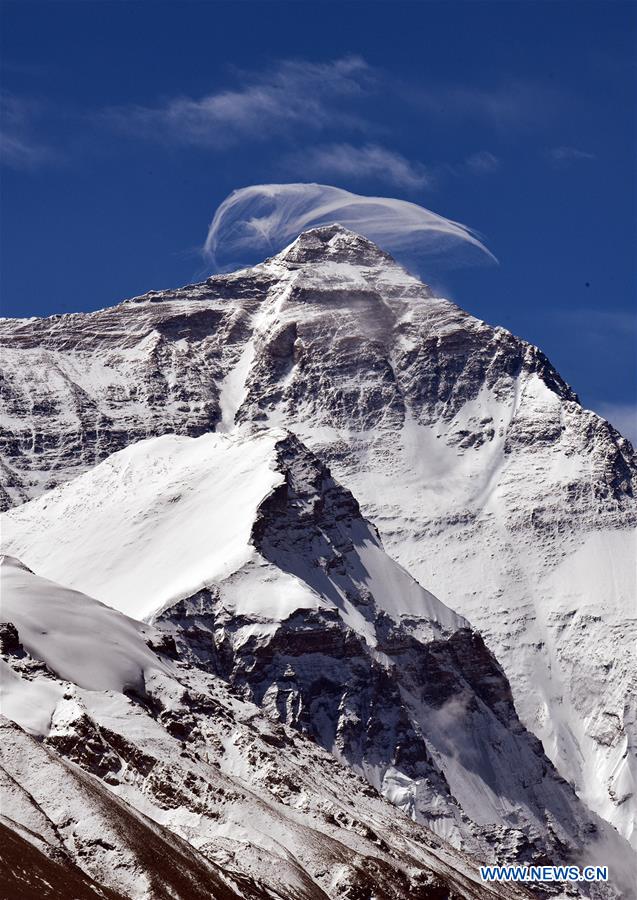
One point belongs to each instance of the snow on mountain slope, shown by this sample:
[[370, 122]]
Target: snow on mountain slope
[[83, 642], [72, 818], [317, 625], [484, 475], [111, 538], [175, 788], [166, 517]]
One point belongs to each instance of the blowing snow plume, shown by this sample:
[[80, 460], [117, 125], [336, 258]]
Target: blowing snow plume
[[258, 221]]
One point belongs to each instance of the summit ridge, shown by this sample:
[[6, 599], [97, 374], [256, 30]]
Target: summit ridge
[[334, 242]]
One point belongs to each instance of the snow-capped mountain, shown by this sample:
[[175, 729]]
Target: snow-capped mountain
[[127, 773], [484, 475], [257, 567]]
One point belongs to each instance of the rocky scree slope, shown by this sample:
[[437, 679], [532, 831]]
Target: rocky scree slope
[[464, 446]]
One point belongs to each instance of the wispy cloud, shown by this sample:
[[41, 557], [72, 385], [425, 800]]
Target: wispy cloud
[[482, 163], [20, 148], [369, 162], [564, 154], [518, 105], [294, 92], [296, 100], [331, 107], [323, 96], [261, 219], [623, 416], [374, 162], [599, 323]]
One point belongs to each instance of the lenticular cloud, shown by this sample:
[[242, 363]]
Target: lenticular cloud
[[260, 220]]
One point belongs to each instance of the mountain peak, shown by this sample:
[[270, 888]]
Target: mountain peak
[[335, 243]]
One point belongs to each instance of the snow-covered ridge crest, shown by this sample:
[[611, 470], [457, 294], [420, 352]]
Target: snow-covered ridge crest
[[82, 642], [154, 522]]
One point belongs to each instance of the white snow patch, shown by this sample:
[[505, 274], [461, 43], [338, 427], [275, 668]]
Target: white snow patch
[[151, 524]]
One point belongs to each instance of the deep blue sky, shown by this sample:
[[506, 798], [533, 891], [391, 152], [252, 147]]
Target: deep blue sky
[[515, 118]]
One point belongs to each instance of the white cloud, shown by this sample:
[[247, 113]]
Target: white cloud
[[259, 220], [360, 163], [623, 416], [20, 153], [519, 105], [482, 163], [565, 154], [295, 92], [599, 324], [19, 147]]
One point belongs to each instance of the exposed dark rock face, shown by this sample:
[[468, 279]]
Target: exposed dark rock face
[[10, 640], [28, 873]]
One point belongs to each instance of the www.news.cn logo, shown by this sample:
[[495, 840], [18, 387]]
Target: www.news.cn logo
[[543, 873]]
